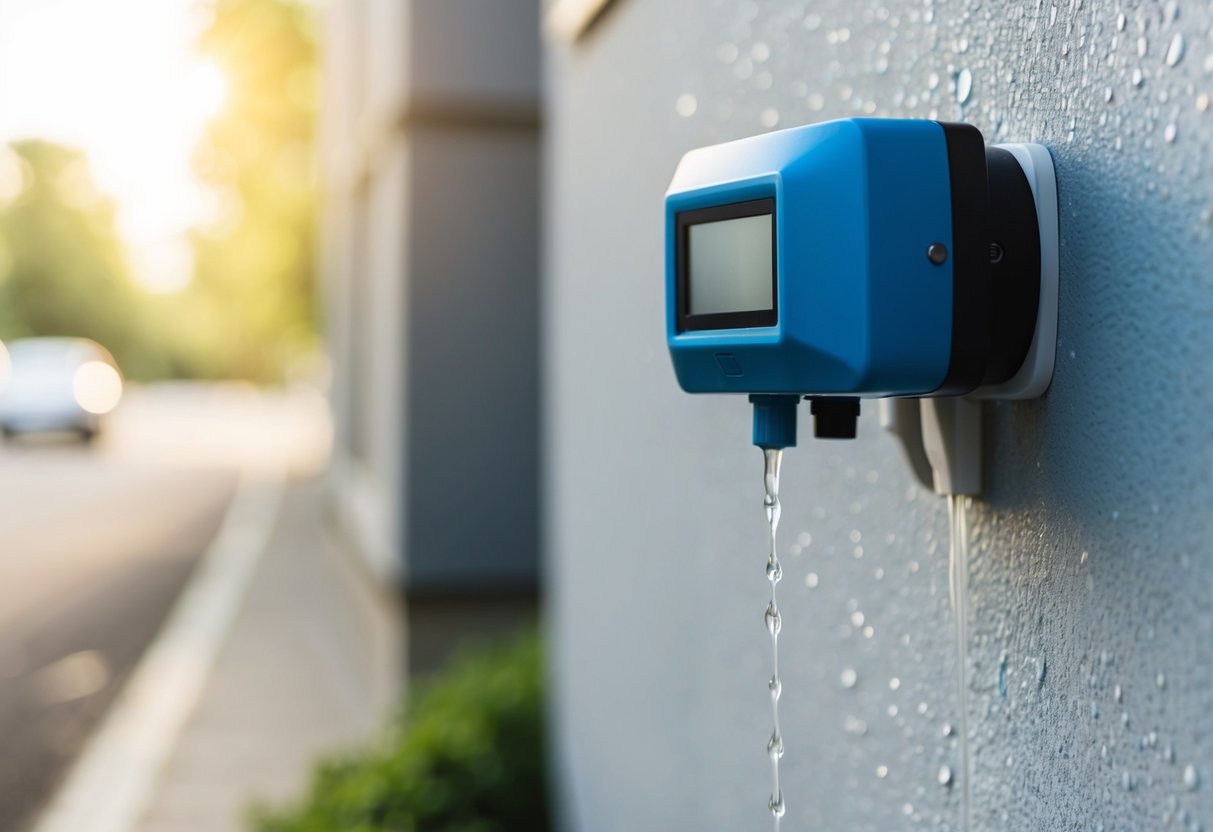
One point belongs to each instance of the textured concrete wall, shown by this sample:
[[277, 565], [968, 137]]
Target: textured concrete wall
[[1091, 625]]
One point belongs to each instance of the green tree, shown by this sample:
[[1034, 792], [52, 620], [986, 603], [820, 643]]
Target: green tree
[[62, 266], [251, 307]]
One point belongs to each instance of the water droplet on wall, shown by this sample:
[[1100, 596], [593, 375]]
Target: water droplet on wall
[[848, 678], [945, 776], [1161, 681], [1191, 778], [1169, 132], [810, 580], [686, 105], [1175, 52], [855, 726], [964, 85], [769, 117]]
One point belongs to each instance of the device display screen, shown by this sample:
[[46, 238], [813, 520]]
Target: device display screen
[[726, 268]]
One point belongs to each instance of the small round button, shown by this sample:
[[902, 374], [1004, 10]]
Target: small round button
[[937, 253]]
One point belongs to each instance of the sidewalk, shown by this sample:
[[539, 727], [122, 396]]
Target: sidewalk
[[309, 663]]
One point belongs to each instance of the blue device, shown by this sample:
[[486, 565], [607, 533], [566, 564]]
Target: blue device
[[850, 259]]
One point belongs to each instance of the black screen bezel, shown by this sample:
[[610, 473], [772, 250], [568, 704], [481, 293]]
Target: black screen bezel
[[723, 320]]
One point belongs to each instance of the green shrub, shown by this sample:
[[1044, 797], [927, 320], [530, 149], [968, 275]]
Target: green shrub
[[467, 756]]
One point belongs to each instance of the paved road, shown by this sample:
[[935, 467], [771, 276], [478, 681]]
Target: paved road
[[96, 544]]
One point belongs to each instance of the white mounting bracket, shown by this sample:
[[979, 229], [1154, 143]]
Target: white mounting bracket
[[941, 437]]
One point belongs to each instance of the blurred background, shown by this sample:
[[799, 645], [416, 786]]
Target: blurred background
[[248, 493]]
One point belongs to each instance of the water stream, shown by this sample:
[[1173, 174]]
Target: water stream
[[772, 459], [958, 595]]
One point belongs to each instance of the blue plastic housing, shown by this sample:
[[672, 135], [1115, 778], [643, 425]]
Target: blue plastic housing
[[862, 311]]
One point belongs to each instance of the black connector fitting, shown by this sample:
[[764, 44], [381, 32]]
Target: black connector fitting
[[834, 417]]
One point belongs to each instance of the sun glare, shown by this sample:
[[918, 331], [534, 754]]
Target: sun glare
[[122, 81], [207, 88]]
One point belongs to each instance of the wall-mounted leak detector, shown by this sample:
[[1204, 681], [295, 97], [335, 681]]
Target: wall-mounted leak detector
[[866, 258]]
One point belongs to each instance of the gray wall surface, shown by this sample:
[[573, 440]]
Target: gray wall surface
[[431, 163], [1090, 621]]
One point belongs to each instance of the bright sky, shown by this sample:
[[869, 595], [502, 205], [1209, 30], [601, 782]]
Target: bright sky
[[120, 80]]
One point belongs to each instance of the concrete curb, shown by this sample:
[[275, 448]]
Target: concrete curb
[[111, 783]]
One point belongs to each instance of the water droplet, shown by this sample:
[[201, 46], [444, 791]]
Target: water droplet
[[947, 729], [1107, 95], [856, 619], [686, 105], [1175, 52], [760, 52], [1169, 133], [945, 776], [1128, 781], [774, 570], [907, 809], [855, 726], [1094, 711], [769, 117], [775, 746], [810, 580], [812, 22], [848, 677], [775, 686], [1120, 22], [773, 619], [1137, 77], [815, 101], [882, 772], [775, 804], [1191, 778], [804, 539], [1117, 694], [964, 85], [1143, 46], [894, 683], [1161, 681], [1202, 102]]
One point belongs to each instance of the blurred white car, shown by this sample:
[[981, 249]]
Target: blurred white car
[[56, 384]]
